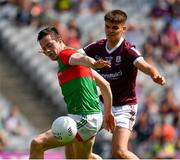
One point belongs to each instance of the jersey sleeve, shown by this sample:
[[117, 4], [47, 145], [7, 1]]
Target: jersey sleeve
[[65, 55], [134, 55]]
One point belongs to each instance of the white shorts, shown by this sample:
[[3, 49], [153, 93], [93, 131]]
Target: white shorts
[[88, 125], [125, 115]]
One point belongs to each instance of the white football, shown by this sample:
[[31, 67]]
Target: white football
[[64, 129]]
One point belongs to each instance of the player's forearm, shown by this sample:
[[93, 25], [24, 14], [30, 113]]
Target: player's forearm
[[107, 98], [147, 68], [105, 91], [78, 59], [151, 71], [87, 61]]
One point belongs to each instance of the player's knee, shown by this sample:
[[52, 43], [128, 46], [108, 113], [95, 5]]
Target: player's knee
[[120, 153], [36, 144]]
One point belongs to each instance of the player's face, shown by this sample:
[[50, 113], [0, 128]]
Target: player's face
[[114, 31], [50, 47]]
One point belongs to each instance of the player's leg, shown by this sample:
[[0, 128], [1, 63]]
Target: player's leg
[[120, 144], [70, 152], [41, 143], [125, 119], [83, 150]]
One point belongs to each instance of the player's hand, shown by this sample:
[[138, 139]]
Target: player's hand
[[101, 63], [159, 79], [109, 122]]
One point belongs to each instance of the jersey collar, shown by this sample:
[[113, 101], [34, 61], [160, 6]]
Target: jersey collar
[[114, 48]]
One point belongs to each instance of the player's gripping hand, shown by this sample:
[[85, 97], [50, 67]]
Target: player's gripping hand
[[101, 63], [109, 122], [159, 79]]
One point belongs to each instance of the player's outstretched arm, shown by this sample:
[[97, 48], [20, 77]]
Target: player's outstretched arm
[[109, 120], [79, 59], [148, 69]]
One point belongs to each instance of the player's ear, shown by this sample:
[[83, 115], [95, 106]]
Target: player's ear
[[59, 39]]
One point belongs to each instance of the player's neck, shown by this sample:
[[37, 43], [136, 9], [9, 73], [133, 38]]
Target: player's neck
[[111, 45]]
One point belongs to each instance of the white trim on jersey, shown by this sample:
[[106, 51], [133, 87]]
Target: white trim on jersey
[[90, 44], [138, 53], [81, 50], [135, 50], [138, 59], [114, 48]]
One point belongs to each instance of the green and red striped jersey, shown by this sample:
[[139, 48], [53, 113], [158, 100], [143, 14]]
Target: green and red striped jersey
[[78, 86]]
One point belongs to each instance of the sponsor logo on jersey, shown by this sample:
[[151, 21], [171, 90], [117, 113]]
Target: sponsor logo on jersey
[[112, 76], [109, 59]]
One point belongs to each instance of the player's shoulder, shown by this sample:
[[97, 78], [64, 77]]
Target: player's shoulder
[[66, 53], [99, 42], [127, 45], [68, 50], [130, 48]]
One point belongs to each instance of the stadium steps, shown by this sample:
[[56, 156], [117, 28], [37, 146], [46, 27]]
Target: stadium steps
[[15, 86]]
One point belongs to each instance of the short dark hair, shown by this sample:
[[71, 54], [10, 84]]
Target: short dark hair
[[116, 16], [48, 31]]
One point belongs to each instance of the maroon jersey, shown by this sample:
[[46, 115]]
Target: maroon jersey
[[122, 74]]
